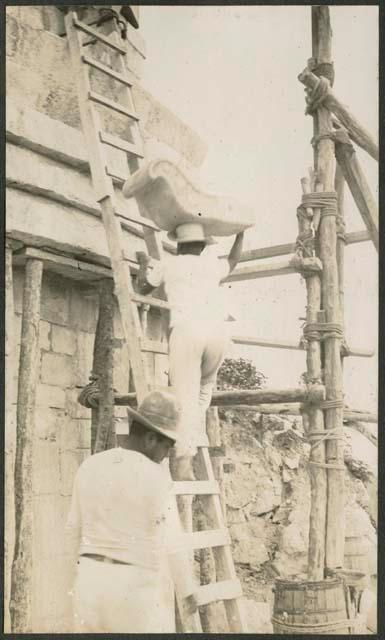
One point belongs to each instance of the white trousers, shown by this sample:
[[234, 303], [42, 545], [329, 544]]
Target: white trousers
[[118, 598], [196, 351]]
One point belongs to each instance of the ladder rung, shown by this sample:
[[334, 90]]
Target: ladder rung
[[99, 36], [153, 346], [118, 143], [116, 175], [153, 302], [145, 222], [224, 590], [124, 79], [112, 104], [196, 488], [208, 539]]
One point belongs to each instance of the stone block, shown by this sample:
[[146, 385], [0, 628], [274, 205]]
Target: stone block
[[53, 19], [120, 413], [50, 396], [33, 16], [121, 370], [70, 460], [52, 571], [42, 221], [48, 423], [63, 340], [121, 424], [83, 357], [55, 299], [73, 408], [84, 308], [46, 477], [44, 335], [74, 434], [57, 369]]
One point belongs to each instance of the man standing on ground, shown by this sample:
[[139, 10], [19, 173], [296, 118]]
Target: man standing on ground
[[124, 525], [199, 336]]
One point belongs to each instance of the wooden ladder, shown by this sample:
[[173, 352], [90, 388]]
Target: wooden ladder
[[228, 588]]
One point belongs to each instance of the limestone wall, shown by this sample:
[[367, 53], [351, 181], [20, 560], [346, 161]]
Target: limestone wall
[[62, 428], [51, 205]]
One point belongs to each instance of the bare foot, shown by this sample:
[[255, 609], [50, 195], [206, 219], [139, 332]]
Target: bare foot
[[184, 468]]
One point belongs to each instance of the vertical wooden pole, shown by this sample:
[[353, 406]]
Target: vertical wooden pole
[[21, 582], [104, 356], [340, 190], [314, 421], [9, 502], [325, 165]]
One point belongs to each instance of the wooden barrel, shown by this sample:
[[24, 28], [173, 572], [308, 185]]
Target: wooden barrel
[[311, 607], [356, 553]]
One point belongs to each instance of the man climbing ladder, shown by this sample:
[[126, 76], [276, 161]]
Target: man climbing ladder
[[199, 335]]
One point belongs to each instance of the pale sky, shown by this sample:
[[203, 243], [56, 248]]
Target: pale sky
[[231, 74]]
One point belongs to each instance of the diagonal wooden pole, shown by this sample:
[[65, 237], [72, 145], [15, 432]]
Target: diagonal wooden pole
[[355, 178]]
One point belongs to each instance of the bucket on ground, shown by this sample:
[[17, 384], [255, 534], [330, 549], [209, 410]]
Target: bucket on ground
[[311, 607]]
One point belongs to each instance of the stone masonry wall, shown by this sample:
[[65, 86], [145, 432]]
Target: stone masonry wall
[[51, 205], [62, 429]]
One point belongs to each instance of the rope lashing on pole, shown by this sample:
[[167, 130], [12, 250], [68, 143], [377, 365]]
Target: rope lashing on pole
[[326, 202], [332, 404], [321, 330], [321, 436], [304, 244], [325, 69], [315, 97], [89, 396]]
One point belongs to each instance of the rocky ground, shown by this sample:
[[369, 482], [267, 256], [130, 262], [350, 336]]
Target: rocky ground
[[268, 500]]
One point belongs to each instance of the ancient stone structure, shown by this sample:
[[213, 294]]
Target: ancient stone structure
[[51, 207]]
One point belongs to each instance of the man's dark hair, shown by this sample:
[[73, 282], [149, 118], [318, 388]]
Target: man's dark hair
[[195, 247], [139, 430]]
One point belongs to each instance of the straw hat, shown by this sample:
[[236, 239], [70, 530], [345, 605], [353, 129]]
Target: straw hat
[[160, 412]]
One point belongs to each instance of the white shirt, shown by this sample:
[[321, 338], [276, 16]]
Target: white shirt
[[192, 285], [123, 508]]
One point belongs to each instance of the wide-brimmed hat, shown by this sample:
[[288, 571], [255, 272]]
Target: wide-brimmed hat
[[160, 412], [190, 232]]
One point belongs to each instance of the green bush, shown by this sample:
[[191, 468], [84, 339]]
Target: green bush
[[239, 374]]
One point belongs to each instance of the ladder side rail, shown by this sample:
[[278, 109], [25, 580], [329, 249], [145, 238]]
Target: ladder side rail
[[105, 196], [152, 240], [224, 563]]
